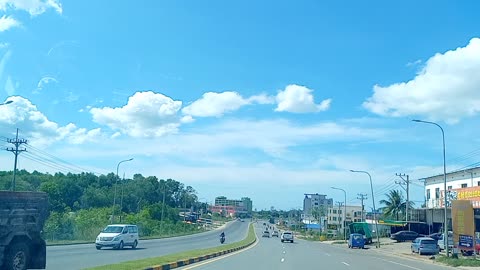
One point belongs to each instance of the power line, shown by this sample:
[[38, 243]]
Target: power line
[[56, 159]]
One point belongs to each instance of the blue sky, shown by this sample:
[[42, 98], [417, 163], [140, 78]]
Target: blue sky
[[267, 100]]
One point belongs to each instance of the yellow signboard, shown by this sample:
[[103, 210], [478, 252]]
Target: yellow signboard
[[462, 220]]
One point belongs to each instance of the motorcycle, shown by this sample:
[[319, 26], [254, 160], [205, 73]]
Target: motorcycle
[[222, 239]]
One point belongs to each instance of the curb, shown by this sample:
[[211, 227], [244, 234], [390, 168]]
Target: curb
[[197, 259]]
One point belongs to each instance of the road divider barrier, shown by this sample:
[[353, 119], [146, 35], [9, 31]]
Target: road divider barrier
[[186, 262], [172, 261]]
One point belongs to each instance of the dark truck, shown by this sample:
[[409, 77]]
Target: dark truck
[[22, 216]]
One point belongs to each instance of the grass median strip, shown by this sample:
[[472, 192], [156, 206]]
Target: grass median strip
[[458, 262], [144, 263]]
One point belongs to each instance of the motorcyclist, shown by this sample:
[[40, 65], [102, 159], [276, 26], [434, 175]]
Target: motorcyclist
[[222, 237]]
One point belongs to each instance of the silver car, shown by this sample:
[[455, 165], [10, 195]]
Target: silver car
[[425, 245]]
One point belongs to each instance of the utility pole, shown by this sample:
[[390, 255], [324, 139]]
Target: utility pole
[[340, 204], [16, 152], [406, 182], [121, 198], [362, 197]]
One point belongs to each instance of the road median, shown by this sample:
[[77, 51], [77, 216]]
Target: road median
[[183, 258]]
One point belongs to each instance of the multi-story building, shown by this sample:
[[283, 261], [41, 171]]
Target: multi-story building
[[461, 185], [456, 184], [231, 207], [315, 202], [335, 216]]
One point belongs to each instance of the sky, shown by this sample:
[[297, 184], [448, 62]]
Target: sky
[[262, 99]]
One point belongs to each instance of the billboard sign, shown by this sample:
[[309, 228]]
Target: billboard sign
[[465, 241], [470, 193], [463, 223]]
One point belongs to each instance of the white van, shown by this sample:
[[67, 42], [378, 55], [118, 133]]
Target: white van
[[441, 241], [117, 236]]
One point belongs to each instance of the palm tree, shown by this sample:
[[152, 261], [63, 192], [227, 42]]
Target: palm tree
[[395, 204]]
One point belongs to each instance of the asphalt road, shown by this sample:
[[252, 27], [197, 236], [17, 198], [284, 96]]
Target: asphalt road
[[85, 255], [270, 253]]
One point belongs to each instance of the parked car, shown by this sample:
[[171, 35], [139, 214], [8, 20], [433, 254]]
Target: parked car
[[435, 236], [356, 240], [403, 236], [275, 234], [441, 241], [287, 237], [425, 245], [266, 234], [117, 236]]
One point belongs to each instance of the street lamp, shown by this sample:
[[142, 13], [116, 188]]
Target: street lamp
[[344, 212], [445, 229], [374, 209], [115, 189]]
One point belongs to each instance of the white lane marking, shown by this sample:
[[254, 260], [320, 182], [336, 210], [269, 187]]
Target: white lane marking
[[328, 254], [282, 260], [284, 252], [346, 263], [401, 264], [223, 256]]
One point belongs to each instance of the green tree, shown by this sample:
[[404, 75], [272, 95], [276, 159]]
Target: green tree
[[395, 205]]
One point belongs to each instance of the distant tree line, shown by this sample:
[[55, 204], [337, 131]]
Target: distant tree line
[[82, 204]]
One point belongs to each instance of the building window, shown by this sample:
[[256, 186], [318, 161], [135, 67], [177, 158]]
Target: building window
[[340, 212], [316, 203], [464, 185], [437, 193], [334, 218], [334, 211], [449, 187], [428, 194]]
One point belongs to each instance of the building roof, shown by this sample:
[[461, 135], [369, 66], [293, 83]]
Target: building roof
[[453, 172]]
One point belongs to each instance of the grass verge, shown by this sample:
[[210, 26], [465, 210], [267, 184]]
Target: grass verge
[[144, 263], [458, 262]]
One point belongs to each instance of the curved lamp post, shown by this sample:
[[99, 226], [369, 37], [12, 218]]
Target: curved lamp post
[[115, 189], [445, 229], [374, 209]]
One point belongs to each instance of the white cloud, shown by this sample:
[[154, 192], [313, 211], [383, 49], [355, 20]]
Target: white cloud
[[447, 88], [7, 22], [215, 104], [34, 7], [147, 114], [275, 138], [35, 126], [299, 99], [261, 99]]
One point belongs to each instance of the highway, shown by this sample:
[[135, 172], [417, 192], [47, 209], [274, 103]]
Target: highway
[[270, 253], [85, 255]]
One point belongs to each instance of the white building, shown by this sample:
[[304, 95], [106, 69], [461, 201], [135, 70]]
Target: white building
[[312, 201], [434, 185], [335, 216]]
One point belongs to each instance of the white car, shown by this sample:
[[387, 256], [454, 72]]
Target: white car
[[286, 237], [117, 236]]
